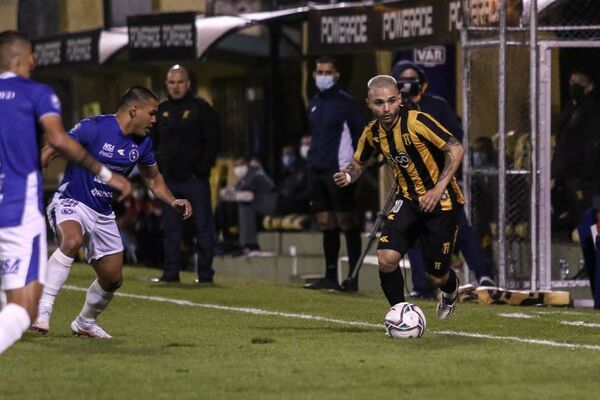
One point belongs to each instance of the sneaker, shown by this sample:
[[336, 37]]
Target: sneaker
[[40, 327], [42, 323], [91, 330], [447, 303], [487, 281], [350, 285], [323, 283]]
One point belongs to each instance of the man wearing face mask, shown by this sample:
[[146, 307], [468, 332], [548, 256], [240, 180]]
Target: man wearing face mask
[[577, 153], [336, 123], [186, 138], [412, 83], [293, 191], [255, 194]]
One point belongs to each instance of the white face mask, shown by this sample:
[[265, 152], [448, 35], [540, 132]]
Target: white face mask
[[240, 171], [324, 82], [304, 151]]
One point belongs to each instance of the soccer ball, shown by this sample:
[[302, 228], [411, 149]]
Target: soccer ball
[[405, 321]]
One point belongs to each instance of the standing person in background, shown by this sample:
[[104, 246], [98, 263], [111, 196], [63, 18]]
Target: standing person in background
[[186, 138], [336, 122], [25, 106], [423, 157], [81, 212], [412, 82]]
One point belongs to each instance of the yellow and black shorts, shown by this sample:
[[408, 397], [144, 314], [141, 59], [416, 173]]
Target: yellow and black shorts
[[436, 230]]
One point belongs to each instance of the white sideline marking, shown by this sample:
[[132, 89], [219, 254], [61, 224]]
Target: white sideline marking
[[580, 323], [516, 315], [258, 311]]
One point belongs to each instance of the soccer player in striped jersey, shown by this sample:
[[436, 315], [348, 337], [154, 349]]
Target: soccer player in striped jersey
[[423, 157]]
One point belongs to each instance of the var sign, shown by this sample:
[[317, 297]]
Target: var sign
[[430, 56]]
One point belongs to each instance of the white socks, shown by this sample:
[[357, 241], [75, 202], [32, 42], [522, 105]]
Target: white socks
[[59, 266], [14, 320], [96, 301]]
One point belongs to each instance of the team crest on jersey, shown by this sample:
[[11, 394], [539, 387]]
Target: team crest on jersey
[[134, 155]]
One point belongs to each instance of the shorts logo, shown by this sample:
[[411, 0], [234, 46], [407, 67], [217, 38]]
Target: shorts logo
[[397, 206], [446, 248], [401, 159], [437, 265], [133, 155], [384, 239], [186, 114], [391, 217], [67, 211], [10, 266]]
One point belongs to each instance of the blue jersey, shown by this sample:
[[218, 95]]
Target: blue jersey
[[103, 139], [23, 103]]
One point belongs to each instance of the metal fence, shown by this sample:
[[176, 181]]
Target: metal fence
[[515, 84]]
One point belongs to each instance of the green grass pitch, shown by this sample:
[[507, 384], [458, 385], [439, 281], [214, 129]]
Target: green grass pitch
[[243, 339]]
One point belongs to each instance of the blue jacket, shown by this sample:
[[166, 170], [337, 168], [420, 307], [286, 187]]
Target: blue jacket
[[336, 122], [439, 109]]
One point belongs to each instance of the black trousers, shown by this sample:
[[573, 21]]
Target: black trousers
[[197, 191]]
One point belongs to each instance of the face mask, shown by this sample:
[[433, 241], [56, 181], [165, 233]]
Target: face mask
[[576, 91], [288, 160], [409, 87], [324, 82], [304, 151], [240, 171], [479, 159]]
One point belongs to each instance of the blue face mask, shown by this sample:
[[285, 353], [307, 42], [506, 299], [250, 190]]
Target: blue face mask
[[324, 82], [288, 160], [479, 159]]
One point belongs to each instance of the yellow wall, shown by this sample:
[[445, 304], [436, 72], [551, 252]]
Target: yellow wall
[[81, 15], [8, 15], [180, 5]]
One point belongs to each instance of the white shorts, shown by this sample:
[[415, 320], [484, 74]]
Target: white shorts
[[100, 232], [23, 254]]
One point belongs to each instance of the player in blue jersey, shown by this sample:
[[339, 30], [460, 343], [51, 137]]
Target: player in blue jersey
[[81, 212], [27, 110]]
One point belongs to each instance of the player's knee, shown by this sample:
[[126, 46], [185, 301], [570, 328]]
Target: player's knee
[[71, 244], [388, 262]]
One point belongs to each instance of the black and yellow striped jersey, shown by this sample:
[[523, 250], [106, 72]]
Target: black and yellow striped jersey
[[412, 149]]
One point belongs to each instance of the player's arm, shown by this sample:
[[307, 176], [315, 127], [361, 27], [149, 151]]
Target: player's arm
[[156, 183], [349, 174], [48, 153], [453, 155], [57, 139]]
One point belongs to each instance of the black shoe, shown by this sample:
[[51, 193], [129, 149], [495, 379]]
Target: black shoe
[[201, 281], [323, 283], [350, 285], [487, 281], [162, 279]]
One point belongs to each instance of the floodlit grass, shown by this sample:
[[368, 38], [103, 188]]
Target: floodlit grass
[[163, 350]]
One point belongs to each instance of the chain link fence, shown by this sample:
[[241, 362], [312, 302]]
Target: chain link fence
[[500, 108]]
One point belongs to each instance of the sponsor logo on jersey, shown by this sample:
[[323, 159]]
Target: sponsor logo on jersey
[[401, 159], [10, 266], [107, 150]]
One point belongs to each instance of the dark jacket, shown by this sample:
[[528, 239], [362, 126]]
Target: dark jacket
[[439, 109], [336, 123], [186, 137]]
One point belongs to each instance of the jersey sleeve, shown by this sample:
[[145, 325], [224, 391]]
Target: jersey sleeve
[[46, 102], [148, 157], [430, 129], [84, 132], [365, 147]]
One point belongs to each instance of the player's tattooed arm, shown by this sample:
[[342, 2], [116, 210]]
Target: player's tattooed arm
[[453, 154], [349, 174]]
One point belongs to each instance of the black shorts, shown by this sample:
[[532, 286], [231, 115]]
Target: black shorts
[[436, 230], [325, 195]]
